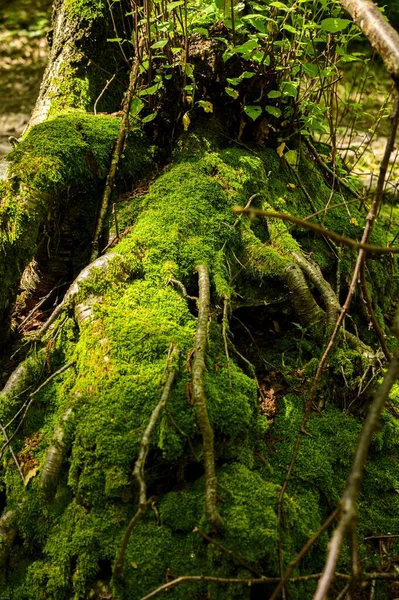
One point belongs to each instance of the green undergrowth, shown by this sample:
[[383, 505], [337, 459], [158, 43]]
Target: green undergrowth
[[66, 549]]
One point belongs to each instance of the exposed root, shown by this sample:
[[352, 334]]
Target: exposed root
[[30, 400], [139, 467], [102, 262], [200, 399], [54, 459], [7, 534], [305, 306], [315, 275]]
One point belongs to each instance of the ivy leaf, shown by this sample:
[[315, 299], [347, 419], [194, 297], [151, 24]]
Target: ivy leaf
[[280, 5], [150, 117], [231, 92], [274, 94], [207, 106], [253, 111], [280, 149], [233, 80], [291, 157], [334, 25], [289, 88], [136, 106], [274, 110], [186, 121], [159, 44]]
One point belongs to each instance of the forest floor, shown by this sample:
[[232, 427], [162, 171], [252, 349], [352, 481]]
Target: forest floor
[[23, 56]]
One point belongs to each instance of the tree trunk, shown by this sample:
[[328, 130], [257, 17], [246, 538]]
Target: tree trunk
[[85, 382]]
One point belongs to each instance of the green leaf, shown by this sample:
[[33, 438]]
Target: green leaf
[[253, 111], [231, 92], [280, 5], [201, 31], [273, 110], [136, 106], [290, 29], [114, 40], [289, 88], [291, 157], [274, 94], [247, 47], [159, 44], [334, 25], [310, 69], [172, 5], [234, 80], [207, 106], [150, 117], [247, 75]]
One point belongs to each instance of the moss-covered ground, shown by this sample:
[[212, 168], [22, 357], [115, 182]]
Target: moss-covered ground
[[66, 546]]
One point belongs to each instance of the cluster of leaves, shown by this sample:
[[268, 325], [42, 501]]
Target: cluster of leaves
[[305, 42]]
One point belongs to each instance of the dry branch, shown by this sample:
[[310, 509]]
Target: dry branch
[[341, 239], [199, 397], [139, 467], [117, 151], [250, 582]]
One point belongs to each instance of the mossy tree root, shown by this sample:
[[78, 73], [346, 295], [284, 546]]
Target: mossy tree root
[[54, 459], [199, 397], [139, 467], [328, 295]]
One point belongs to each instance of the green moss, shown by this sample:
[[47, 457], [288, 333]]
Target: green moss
[[72, 149], [87, 10]]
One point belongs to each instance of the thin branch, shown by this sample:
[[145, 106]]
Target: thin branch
[[370, 311], [225, 322], [325, 167], [182, 287], [117, 151], [199, 397], [350, 497], [230, 553], [139, 467], [4, 432], [250, 582], [312, 540], [31, 398], [341, 239]]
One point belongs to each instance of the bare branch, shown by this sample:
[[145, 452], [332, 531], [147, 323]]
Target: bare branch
[[350, 497], [345, 241], [117, 151], [302, 553]]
